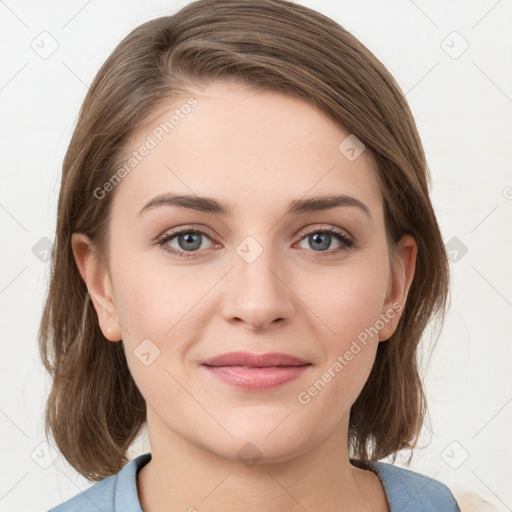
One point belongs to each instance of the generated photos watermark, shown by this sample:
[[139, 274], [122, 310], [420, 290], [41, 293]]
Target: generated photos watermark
[[304, 397], [151, 142]]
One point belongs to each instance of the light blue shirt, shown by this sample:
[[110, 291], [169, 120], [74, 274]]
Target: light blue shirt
[[406, 491]]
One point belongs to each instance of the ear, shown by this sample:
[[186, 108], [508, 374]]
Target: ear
[[399, 283], [99, 285]]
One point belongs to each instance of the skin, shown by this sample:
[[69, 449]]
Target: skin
[[256, 151]]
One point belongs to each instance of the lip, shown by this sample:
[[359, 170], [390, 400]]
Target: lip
[[255, 360], [256, 372]]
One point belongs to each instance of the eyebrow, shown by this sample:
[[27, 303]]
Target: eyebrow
[[210, 205]]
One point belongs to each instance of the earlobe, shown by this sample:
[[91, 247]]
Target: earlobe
[[99, 286], [400, 282]]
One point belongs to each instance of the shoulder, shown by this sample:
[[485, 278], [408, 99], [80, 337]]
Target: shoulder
[[115, 493], [409, 491]]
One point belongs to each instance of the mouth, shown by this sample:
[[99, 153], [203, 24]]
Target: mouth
[[249, 360], [256, 372]]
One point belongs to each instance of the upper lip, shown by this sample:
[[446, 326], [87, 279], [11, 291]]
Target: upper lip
[[255, 360]]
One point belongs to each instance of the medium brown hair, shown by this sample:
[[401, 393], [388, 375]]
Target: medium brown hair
[[94, 410]]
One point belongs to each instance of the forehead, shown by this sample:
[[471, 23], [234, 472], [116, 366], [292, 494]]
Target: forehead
[[244, 146]]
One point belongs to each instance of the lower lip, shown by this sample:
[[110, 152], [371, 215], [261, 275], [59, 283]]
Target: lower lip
[[257, 379]]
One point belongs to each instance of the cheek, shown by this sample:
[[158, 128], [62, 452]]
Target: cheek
[[152, 308], [349, 300], [161, 310], [151, 296], [349, 308]]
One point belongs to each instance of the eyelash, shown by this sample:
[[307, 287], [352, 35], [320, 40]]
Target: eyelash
[[162, 241]]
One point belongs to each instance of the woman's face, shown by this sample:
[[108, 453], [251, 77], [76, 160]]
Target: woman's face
[[272, 273]]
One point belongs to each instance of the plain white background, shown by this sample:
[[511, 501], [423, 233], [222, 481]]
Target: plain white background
[[453, 61]]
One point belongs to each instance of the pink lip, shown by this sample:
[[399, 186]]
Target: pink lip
[[255, 360], [256, 372]]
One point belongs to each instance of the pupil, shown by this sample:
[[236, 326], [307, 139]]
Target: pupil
[[188, 238], [320, 238]]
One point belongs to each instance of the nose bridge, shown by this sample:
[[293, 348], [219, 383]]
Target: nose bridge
[[258, 293]]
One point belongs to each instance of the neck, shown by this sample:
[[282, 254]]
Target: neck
[[189, 477]]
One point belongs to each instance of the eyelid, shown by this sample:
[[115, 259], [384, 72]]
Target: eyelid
[[186, 228], [340, 231]]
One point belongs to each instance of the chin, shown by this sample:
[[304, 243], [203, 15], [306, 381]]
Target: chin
[[259, 443]]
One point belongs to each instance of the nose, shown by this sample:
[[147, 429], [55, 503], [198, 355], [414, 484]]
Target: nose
[[259, 292]]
